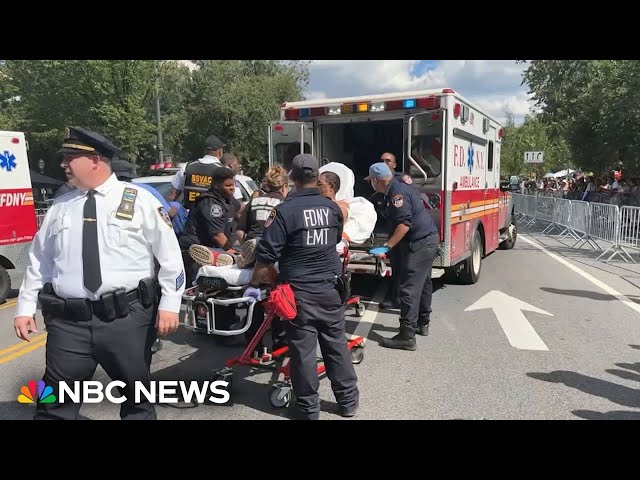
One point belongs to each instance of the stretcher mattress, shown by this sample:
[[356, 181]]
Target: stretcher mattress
[[231, 274], [238, 277]]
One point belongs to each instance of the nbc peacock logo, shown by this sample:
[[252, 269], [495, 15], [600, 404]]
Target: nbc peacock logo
[[44, 393]]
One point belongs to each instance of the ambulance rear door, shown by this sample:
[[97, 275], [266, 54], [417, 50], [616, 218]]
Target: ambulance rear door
[[288, 139]]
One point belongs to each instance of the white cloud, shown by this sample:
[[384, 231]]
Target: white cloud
[[492, 84]]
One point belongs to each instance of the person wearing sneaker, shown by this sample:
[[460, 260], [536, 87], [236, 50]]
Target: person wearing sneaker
[[414, 240], [210, 224], [301, 235]]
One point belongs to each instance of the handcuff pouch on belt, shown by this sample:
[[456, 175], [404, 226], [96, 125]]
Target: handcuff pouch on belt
[[147, 290]]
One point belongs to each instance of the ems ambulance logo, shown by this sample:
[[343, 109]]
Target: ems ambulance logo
[[470, 157], [7, 161]]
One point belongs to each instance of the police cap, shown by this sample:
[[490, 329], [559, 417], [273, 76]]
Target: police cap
[[122, 168], [81, 140], [214, 143]]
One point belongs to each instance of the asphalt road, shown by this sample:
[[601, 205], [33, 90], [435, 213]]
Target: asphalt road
[[572, 353]]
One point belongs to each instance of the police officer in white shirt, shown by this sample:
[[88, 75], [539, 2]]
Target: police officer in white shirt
[[92, 270], [195, 177]]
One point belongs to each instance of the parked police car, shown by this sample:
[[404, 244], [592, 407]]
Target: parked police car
[[161, 181]]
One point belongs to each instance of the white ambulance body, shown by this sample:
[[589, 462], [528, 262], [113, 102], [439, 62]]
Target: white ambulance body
[[17, 210], [449, 146]]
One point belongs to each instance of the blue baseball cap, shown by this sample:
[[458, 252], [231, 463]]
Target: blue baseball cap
[[379, 170]]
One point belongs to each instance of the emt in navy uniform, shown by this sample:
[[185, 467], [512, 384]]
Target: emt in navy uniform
[[208, 234], [92, 270], [301, 234], [414, 240]]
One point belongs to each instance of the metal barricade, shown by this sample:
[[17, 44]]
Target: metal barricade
[[559, 217], [579, 224], [604, 224], [629, 229], [544, 208]]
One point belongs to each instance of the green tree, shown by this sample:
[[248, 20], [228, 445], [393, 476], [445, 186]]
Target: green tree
[[236, 99], [535, 134], [594, 105]]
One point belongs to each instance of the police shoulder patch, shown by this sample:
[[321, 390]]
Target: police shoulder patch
[[165, 216], [397, 200], [216, 211], [270, 218]]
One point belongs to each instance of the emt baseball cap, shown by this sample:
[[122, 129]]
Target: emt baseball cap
[[379, 170]]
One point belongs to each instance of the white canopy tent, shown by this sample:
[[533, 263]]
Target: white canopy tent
[[564, 173]]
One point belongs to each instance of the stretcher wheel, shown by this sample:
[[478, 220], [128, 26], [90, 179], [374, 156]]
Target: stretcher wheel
[[226, 376], [280, 396], [357, 354], [360, 309]]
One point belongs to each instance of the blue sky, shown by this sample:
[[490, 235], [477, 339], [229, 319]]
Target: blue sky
[[492, 84]]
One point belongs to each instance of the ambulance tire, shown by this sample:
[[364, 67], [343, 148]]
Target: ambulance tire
[[510, 242], [472, 266], [5, 284]]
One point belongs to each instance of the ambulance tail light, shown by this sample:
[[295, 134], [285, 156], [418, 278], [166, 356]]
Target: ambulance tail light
[[500, 134], [429, 102], [377, 107], [335, 110], [304, 112], [448, 90], [409, 103], [15, 140], [278, 128], [457, 108]]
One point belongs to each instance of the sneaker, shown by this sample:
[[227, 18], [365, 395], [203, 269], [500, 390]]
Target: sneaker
[[204, 256], [247, 253]]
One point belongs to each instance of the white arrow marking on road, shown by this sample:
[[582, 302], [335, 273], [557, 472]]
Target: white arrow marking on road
[[515, 325]]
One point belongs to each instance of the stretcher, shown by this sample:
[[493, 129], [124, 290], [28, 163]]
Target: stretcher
[[216, 306]]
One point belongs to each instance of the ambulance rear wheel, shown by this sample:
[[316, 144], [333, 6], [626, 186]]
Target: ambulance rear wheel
[[472, 266], [5, 284]]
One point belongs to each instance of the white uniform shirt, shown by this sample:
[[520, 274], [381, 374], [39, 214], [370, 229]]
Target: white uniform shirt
[[127, 248], [237, 193], [177, 181]]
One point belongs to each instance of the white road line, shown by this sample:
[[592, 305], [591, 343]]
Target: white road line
[[611, 291], [366, 322]]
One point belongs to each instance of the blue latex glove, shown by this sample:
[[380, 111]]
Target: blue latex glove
[[379, 250], [252, 293]]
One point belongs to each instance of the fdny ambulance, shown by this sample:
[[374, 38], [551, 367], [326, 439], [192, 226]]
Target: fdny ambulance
[[17, 209], [447, 145]]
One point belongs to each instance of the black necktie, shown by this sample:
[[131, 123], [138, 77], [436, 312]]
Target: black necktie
[[90, 251]]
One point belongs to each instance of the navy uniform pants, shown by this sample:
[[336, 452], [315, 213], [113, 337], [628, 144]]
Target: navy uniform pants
[[320, 320], [122, 347], [415, 260]]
